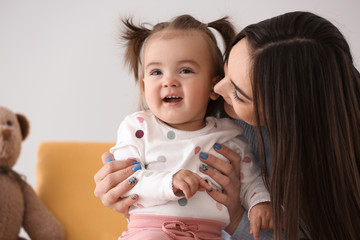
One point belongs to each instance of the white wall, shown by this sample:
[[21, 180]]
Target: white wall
[[61, 64]]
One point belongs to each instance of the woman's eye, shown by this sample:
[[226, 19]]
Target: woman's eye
[[155, 72], [236, 96]]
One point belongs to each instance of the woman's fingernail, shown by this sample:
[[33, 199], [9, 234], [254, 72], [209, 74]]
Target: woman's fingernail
[[134, 162], [209, 190], [136, 167], [132, 180], [204, 155], [133, 197], [217, 146], [109, 159], [204, 167]]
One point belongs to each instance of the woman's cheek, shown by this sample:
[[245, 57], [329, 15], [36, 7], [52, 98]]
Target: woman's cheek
[[230, 111], [245, 114]]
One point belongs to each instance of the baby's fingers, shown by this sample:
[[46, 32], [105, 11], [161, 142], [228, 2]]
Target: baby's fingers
[[271, 224], [255, 228], [183, 189], [194, 183], [203, 185]]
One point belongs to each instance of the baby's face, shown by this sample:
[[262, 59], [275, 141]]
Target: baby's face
[[178, 78]]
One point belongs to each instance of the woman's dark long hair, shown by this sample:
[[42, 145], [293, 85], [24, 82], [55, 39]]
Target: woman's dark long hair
[[308, 90]]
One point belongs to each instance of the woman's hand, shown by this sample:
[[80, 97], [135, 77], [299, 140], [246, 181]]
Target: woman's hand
[[111, 185], [228, 177]]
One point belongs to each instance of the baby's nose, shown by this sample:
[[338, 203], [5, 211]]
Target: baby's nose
[[171, 82]]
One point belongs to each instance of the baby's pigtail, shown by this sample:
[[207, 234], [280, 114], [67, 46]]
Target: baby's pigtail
[[225, 28], [135, 37]]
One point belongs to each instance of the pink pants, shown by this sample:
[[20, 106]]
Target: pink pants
[[147, 227]]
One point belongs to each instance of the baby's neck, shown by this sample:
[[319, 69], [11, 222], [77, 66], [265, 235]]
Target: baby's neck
[[189, 126]]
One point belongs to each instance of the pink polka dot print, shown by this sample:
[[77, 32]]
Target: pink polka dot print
[[139, 205], [140, 119], [246, 160], [219, 206], [253, 195], [197, 149]]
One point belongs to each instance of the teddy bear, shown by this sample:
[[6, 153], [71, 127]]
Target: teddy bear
[[19, 204]]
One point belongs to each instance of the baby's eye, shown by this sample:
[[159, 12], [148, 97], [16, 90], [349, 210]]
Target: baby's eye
[[9, 123], [155, 72], [186, 70]]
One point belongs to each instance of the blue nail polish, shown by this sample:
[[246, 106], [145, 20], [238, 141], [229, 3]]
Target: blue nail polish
[[204, 167], [134, 162], [132, 180], [109, 159], [204, 156], [217, 146], [136, 167], [209, 190], [133, 197]]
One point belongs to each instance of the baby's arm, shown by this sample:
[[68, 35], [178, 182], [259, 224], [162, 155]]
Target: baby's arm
[[253, 193], [154, 187], [159, 187], [260, 218], [253, 190]]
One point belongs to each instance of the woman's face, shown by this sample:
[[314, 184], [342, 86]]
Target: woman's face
[[236, 87]]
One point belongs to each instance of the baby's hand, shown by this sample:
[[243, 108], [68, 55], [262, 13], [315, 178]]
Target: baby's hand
[[260, 218], [187, 183]]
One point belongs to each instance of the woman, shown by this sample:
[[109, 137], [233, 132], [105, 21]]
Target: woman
[[297, 79], [294, 76]]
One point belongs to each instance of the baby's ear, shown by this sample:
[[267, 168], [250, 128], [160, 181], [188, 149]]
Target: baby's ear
[[142, 85], [213, 95], [24, 125]]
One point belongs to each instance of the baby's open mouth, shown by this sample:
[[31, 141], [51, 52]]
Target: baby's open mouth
[[172, 99]]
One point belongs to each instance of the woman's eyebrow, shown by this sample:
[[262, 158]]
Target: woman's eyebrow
[[240, 91]]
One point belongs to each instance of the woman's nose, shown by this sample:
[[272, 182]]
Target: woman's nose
[[220, 86]]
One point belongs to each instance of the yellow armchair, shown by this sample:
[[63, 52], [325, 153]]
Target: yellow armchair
[[65, 183]]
